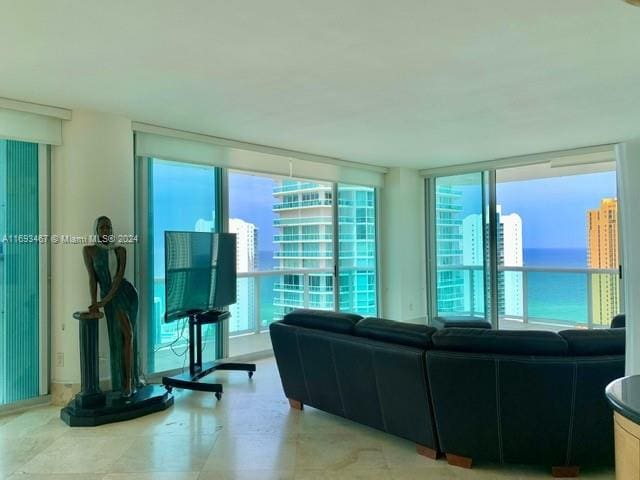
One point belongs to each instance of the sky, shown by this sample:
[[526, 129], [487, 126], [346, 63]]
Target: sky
[[181, 195], [553, 210], [251, 199]]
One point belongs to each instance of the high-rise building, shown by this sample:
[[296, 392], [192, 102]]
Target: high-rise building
[[246, 244], [305, 242], [451, 281], [510, 254], [602, 252], [242, 312]]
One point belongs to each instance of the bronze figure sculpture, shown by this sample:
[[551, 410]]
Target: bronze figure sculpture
[[106, 262]]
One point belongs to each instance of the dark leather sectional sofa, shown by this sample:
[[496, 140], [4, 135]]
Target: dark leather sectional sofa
[[474, 394]]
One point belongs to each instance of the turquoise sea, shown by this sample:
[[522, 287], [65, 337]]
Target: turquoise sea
[[561, 297], [558, 296]]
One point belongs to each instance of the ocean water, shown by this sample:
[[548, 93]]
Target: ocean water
[[555, 257], [561, 297], [552, 296]]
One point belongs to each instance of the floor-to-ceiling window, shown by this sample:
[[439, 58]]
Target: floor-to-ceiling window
[[537, 243], [558, 245], [182, 197], [294, 245], [291, 252], [23, 351], [284, 231], [357, 246], [460, 234]]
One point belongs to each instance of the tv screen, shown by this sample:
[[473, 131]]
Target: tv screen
[[200, 272]]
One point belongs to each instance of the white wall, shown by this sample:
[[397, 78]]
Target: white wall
[[92, 175], [402, 242], [628, 156]]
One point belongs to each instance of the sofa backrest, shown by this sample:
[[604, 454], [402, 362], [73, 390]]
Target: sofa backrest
[[506, 342], [411, 335], [323, 320], [595, 342], [380, 384], [523, 409]]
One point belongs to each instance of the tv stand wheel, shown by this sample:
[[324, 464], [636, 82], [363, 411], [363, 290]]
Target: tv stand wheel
[[250, 374], [218, 395]]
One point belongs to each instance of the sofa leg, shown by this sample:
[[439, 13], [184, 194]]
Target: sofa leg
[[426, 451], [565, 472], [295, 404], [458, 461]]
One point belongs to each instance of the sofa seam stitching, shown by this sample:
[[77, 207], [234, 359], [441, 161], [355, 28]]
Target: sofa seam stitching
[[422, 366], [380, 403], [497, 369], [335, 373], [433, 406], [572, 415], [304, 374]]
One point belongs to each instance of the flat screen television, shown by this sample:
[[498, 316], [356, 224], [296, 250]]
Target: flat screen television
[[200, 272]]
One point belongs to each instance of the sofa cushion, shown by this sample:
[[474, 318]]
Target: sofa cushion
[[509, 342], [322, 320], [595, 342], [409, 334], [464, 323]]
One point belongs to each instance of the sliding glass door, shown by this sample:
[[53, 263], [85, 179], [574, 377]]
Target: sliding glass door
[[285, 253], [301, 243], [532, 246], [20, 259], [294, 247], [460, 232], [559, 245]]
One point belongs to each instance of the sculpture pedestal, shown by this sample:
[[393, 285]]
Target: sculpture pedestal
[[91, 406], [148, 399]]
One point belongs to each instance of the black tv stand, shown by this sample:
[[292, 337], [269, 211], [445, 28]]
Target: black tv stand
[[198, 370]]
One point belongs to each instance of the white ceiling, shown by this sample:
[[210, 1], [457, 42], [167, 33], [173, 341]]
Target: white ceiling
[[406, 83]]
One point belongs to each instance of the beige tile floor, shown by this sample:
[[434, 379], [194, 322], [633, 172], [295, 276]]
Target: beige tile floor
[[251, 434]]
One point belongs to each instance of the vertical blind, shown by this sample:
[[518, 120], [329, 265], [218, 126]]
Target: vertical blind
[[19, 269]]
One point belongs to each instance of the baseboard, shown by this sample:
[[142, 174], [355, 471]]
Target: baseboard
[[62, 393]]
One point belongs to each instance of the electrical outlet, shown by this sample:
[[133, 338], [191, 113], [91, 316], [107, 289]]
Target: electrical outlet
[[60, 359]]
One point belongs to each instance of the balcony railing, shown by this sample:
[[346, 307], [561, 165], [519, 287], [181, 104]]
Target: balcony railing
[[278, 222], [303, 255], [555, 297], [264, 297], [300, 186], [318, 202], [304, 237]]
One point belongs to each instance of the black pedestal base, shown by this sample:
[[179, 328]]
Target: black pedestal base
[[148, 399]]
